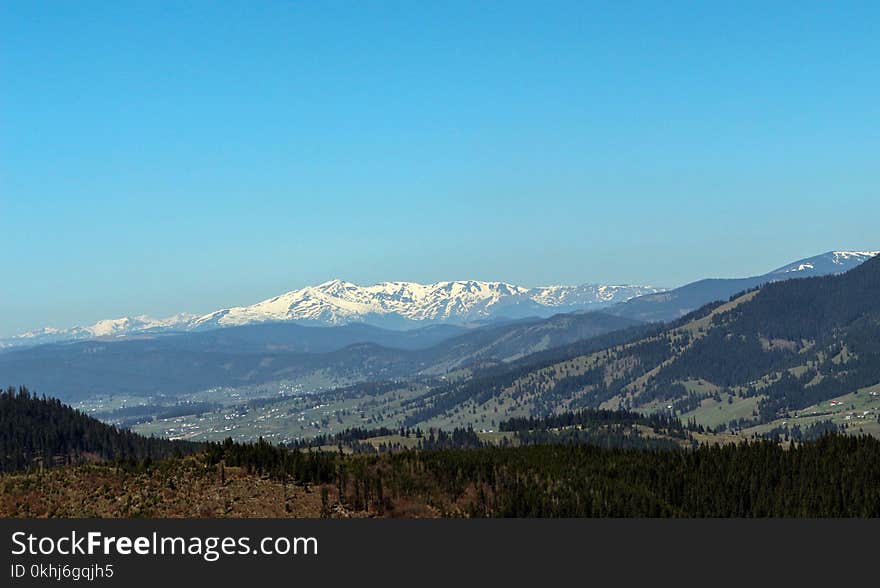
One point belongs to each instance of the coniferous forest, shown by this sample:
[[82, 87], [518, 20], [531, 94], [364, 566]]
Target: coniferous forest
[[38, 432], [835, 476], [542, 476]]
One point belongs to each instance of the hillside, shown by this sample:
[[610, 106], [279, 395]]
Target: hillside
[[774, 355], [42, 432]]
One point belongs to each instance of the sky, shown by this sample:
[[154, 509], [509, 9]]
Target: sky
[[158, 157]]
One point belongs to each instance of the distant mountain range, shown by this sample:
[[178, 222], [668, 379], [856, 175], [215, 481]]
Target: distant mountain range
[[406, 304], [409, 305], [395, 305]]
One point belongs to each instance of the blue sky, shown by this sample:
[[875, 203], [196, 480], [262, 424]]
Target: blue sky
[[158, 158]]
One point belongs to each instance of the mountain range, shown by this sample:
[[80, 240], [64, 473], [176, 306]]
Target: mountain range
[[402, 304], [408, 305], [395, 305]]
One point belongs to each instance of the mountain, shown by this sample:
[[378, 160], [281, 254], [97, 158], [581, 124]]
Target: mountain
[[406, 304], [673, 304], [789, 356], [398, 305]]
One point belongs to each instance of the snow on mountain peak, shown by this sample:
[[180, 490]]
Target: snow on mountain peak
[[831, 262], [104, 328], [840, 257], [337, 302]]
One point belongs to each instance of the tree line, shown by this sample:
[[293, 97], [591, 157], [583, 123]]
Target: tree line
[[39, 432], [834, 476]]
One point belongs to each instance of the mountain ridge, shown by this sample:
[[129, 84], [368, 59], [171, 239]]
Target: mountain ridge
[[675, 303], [400, 305]]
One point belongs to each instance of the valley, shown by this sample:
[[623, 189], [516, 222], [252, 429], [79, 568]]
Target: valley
[[766, 362]]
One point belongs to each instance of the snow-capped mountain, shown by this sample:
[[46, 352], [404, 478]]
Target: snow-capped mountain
[[389, 304], [394, 303], [104, 328]]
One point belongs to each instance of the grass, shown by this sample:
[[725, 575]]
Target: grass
[[848, 411], [712, 413]]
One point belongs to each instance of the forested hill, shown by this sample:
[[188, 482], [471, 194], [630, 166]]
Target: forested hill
[[789, 345], [781, 352], [41, 432]]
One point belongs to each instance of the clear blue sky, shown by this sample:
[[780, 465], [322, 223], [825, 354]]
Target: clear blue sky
[[158, 158]]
